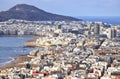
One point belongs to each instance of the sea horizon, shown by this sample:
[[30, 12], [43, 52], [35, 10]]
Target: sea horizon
[[105, 19]]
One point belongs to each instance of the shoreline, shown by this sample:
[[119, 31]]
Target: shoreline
[[7, 62], [16, 60]]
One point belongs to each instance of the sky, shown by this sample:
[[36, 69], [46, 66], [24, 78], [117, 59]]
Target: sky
[[70, 7]]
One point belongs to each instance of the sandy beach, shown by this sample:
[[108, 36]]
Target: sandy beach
[[16, 62], [19, 60]]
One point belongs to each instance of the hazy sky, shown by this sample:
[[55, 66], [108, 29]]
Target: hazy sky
[[70, 7]]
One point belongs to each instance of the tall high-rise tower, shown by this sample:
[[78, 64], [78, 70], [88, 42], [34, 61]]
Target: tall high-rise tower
[[96, 29], [112, 33]]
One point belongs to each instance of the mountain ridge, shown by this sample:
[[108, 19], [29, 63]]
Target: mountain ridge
[[32, 13]]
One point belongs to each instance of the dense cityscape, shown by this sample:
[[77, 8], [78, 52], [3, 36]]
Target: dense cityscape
[[66, 50]]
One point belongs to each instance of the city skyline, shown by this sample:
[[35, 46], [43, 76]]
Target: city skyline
[[70, 8]]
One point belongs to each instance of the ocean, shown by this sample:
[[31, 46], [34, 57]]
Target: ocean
[[12, 46], [105, 19]]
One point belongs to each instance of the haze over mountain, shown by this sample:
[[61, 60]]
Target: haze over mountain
[[31, 13]]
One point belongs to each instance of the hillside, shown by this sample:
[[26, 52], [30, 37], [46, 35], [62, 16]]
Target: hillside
[[31, 13]]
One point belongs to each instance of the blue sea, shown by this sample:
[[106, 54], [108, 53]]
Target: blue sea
[[12, 46], [104, 19]]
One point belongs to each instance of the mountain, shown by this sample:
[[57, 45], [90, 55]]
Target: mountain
[[31, 13]]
